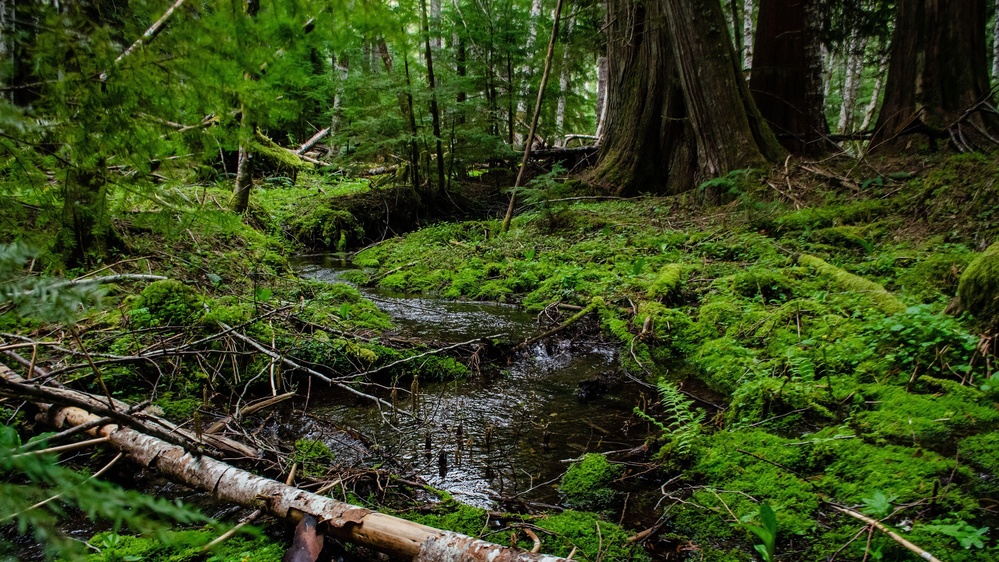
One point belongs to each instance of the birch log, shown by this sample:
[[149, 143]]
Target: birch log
[[391, 535]]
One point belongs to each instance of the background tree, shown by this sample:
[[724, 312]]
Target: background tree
[[937, 74], [786, 81]]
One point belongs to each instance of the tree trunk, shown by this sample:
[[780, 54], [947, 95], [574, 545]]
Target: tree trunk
[[995, 45], [938, 71], [853, 74], [244, 167], [747, 33], [872, 105], [391, 535], [524, 71], [787, 74], [244, 180], [729, 131], [737, 23], [646, 141], [601, 96], [341, 69], [563, 81], [435, 115], [414, 147]]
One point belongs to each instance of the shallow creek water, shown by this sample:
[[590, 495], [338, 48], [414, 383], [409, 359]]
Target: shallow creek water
[[509, 429]]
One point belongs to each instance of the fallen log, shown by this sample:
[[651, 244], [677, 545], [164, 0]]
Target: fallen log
[[391, 535]]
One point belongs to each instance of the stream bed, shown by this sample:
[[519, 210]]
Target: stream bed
[[509, 430]]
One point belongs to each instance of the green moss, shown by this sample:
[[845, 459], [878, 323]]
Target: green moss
[[592, 538], [818, 217], [978, 289], [770, 285], [183, 546], [668, 282], [586, 485], [843, 280], [454, 516], [166, 303], [724, 363]]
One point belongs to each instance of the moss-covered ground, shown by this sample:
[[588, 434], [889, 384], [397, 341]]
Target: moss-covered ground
[[822, 323]]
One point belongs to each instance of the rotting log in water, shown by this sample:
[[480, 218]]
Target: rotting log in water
[[391, 535]]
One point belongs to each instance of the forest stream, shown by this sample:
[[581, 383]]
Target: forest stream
[[506, 432]]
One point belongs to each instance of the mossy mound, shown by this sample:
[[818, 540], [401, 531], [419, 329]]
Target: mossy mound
[[167, 303], [978, 289], [586, 485]]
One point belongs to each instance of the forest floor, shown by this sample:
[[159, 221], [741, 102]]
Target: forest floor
[[792, 325]]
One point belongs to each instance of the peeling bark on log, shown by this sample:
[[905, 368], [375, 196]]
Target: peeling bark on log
[[391, 535]]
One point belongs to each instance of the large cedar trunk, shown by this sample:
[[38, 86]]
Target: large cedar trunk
[[786, 81], [938, 71], [646, 144], [730, 132]]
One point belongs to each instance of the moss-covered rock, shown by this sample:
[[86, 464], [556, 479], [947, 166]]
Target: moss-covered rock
[[978, 289]]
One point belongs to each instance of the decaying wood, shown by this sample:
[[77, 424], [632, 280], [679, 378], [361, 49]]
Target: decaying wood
[[391, 535]]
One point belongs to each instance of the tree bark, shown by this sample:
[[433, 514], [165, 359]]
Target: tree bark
[[341, 69], [872, 105], [937, 72], [995, 45], [729, 131], [737, 23], [786, 79], [646, 143]]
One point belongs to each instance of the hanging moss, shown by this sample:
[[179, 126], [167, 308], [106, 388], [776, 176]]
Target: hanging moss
[[978, 289]]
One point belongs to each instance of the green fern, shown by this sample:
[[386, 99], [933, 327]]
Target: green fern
[[685, 424]]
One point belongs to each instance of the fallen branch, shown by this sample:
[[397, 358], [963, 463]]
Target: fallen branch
[[97, 280], [260, 347], [249, 409], [312, 141], [891, 534], [148, 36], [431, 352], [572, 320], [391, 535]]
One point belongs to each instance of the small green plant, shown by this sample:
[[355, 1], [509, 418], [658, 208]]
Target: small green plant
[[878, 504], [968, 535], [686, 422], [921, 342], [766, 531]]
